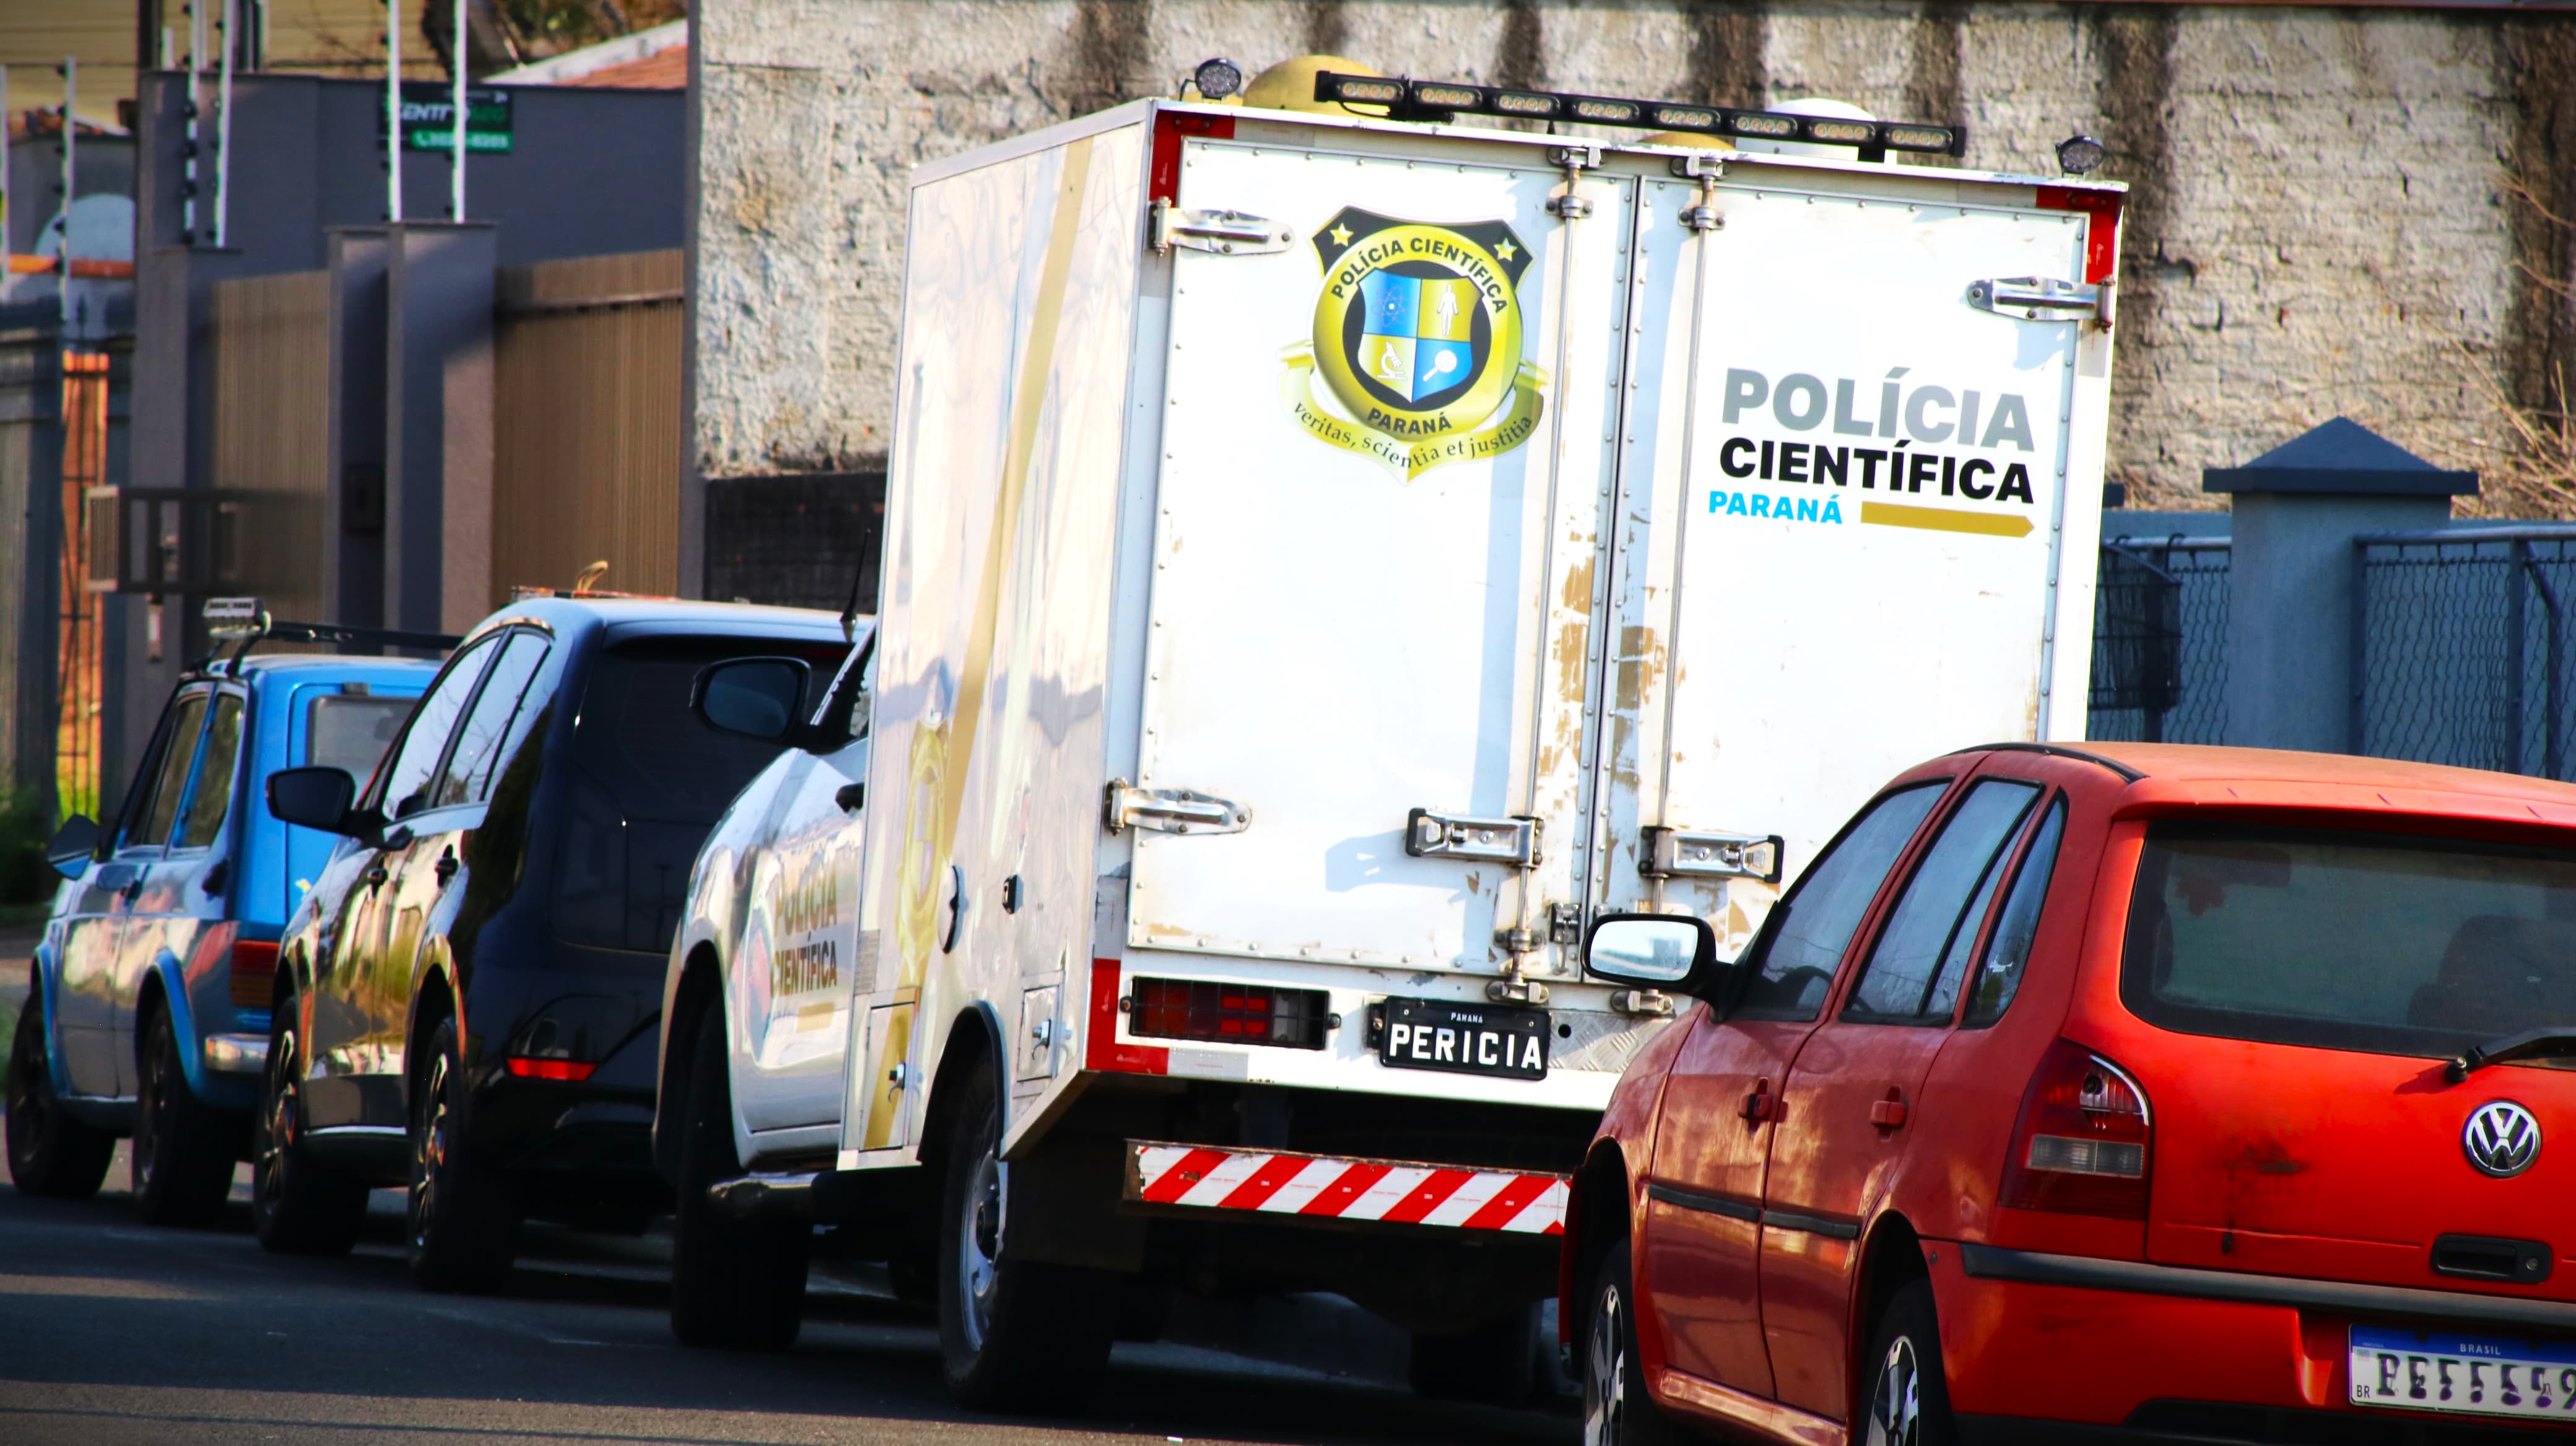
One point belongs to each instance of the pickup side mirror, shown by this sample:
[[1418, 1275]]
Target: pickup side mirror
[[316, 797], [755, 697], [1653, 951], [75, 846]]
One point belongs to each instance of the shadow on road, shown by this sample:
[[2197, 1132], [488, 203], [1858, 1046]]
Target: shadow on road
[[110, 1330]]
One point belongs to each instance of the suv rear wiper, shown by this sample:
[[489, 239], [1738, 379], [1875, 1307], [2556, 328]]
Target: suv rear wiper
[[2557, 1039]]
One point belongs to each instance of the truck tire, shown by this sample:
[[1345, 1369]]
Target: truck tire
[[1906, 1398], [183, 1160], [1495, 1364], [1015, 1336], [1618, 1407], [298, 1205], [460, 1216], [736, 1285], [50, 1154]]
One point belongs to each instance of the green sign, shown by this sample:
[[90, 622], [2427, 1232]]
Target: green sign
[[429, 118]]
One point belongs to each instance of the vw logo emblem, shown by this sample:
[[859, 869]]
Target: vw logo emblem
[[2502, 1139]]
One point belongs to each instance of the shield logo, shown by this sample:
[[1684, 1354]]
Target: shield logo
[[2502, 1138], [1417, 341]]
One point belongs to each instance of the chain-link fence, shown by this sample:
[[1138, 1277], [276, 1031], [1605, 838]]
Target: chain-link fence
[[2460, 641], [2160, 641]]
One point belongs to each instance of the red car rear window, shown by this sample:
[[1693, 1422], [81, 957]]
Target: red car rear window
[[2384, 944]]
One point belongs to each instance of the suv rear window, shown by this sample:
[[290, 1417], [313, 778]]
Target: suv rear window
[[349, 731], [2381, 943], [648, 781]]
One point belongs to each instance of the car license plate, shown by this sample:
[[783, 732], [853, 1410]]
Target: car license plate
[[2469, 1375], [1494, 1039]]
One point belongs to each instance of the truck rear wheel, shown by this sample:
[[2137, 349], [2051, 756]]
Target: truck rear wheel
[[736, 1285], [183, 1160], [1015, 1336], [50, 1153], [1495, 1364]]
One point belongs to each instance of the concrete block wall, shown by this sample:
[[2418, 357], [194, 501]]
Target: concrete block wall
[[2323, 219]]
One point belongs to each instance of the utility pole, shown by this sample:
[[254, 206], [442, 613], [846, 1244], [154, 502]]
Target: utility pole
[[393, 109]]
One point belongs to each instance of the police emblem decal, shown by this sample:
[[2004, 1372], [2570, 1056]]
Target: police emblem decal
[[1416, 353]]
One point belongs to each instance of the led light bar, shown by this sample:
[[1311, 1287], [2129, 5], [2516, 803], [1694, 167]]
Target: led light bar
[[1403, 99]]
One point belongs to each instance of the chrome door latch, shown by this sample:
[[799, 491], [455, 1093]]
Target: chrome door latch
[[2042, 298], [1219, 233], [1513, 841], [1678, 853], [1169, 810]]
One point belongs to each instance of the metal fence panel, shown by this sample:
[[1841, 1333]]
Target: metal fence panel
[[2460, 652], [586, 434], [2160, 641]]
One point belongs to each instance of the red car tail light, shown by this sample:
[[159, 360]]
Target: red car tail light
[[2084, 1140], [567, 1071], [1226, 1013], [254, 973]]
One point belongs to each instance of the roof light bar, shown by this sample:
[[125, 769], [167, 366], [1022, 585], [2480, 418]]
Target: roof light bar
[[1443, 100]]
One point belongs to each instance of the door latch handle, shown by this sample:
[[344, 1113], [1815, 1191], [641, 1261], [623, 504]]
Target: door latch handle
[[375, 876], [1760, 1105], [445, 868], [1889, 1113]]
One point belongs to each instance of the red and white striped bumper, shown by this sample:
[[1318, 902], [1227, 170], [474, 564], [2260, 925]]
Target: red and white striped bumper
[[1321, 1187]]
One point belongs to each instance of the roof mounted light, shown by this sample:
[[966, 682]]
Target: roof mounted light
[[1442, 101], [1217, 78]]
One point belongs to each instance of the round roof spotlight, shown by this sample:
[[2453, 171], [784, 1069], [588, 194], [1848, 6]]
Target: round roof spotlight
[[2078, 154], [1217, 78]]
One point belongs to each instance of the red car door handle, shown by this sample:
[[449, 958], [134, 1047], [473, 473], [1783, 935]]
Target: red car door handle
[[375, 877], [446, 867], [1889, 1113], [1759, 1105]]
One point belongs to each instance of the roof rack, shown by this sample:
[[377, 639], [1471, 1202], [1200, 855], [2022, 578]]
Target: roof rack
[[243, 618], [2057, 750]]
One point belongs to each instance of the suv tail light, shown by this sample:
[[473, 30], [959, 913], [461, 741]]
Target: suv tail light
[[2084, 1140], [1226, 1013]]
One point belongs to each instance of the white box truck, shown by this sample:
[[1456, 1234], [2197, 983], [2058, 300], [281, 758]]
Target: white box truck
[[1328, 560]]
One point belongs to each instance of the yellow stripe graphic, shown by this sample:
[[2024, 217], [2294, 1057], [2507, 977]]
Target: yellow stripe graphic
[[1944, 519]]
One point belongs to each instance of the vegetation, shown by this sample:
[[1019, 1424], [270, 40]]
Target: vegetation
[[26, 879]]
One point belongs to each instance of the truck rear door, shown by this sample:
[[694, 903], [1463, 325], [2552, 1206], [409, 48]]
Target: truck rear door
[[1374, 550], [1842, 518]]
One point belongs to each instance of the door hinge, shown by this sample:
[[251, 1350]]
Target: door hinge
[[1169, 810], [1219, 233], [1514, 841], [2042, 298], [1708, 170], [1680, 853], [1574, 161]]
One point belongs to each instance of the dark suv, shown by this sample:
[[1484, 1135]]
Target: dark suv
[[469, 1000]]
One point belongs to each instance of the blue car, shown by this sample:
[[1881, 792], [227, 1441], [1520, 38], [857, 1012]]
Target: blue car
[[148, 1007]]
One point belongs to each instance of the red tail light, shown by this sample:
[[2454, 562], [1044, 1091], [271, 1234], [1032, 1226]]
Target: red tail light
[[2084, 1140], [539, 1067], [1228, 1013], [254, 973]]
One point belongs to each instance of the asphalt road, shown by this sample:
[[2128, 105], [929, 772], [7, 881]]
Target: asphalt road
[[112, 1332]]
